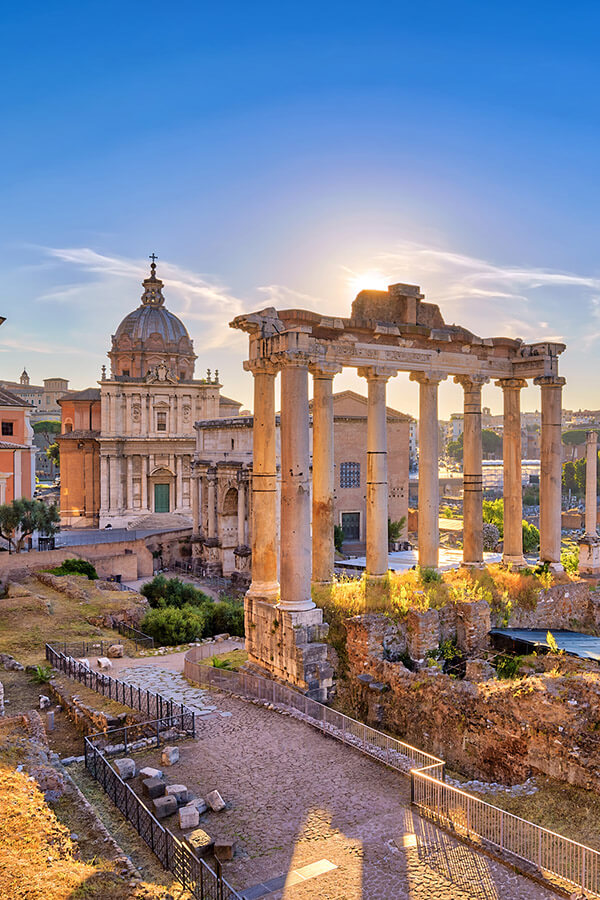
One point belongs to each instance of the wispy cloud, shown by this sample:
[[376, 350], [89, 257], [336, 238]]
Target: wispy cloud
[[281, 296], [192, 295]]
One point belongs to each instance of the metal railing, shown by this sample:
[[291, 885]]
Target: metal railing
[[138, 637], [195, 875], [155, 706], [531, 848], [388, 750]]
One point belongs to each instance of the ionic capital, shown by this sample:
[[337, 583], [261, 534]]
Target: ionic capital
[[471, 382], [511, 384], [549, 381], [261, 366], [428, 377], [324, 370], [377, 373]]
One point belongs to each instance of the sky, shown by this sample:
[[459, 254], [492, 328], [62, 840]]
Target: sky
[[291, 154]]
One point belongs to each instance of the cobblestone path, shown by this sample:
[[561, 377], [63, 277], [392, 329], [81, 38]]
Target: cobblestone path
[[297, 797]]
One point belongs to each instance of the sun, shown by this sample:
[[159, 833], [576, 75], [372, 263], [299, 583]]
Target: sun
[[370, 280]]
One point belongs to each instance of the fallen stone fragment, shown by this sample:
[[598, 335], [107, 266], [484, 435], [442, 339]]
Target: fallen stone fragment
[[149, 772], [44, 701], [170, 756], [153, 788], [164, 806], [115, 651], [199, 804], [180, 792], [223, 850], [200, 841], [215, 801], [104, 663], [188, 817], [125, 767]]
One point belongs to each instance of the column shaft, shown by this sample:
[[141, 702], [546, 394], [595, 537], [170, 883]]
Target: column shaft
[[264, 584], [144, 481], [179, 481], [591, 485], [241, 513], [129, 502], [295, 540], [104, 484], [212, 513], [194, 488], [377, 476], [513, 482], [323, 549], [472, 473], [551, 470], [429, 484]]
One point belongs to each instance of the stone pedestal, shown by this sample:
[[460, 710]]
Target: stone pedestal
[[213, 566], [242, 575], [289, 646], [589, 555]]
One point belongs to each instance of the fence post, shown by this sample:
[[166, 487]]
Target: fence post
[[412, 788], [158, 733], [219, 868], [125, 730], [583, 868]]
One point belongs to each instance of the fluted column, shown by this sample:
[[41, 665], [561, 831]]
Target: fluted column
[[513, 481], [551, 470], [265, 585], [144, 481], [429, 482], [377, 471], [323, 548], [104, 484], [295, 543], [179, 481], [591, 485], [472, 470], [129, 502], [241, 513], [194, 489]]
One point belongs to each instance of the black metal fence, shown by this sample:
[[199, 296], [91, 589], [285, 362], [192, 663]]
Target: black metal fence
[[192, 873], [155, 706], [137, 637]]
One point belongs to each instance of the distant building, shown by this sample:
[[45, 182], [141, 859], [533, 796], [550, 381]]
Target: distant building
[[42, 398], [17, 454]]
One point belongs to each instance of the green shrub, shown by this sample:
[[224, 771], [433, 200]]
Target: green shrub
[[171, 626], [224, 616], [507, 666], [430, 576], [531, 537], [173, 592], [76, 567], [569, 558], [395, 529], [338, 537], [220, 663], [42, 674]]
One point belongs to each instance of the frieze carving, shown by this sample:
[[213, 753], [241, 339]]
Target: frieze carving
[[136, 413]]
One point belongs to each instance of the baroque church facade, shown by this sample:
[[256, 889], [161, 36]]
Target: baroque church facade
[[137, 428]]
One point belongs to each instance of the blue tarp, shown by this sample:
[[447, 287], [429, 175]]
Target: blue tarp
[[587, 646]]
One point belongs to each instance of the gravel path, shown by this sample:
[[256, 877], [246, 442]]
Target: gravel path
[[297, 797]]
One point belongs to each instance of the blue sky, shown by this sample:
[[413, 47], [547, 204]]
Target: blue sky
[[289, 154]]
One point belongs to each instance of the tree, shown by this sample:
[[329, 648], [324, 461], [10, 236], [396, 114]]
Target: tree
[[491, 443], [53, 453], [455, 448], [19, 519]]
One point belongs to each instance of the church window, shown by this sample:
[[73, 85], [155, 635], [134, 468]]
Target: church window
[[350, 475], [161, 421], [7, 428], [233, 443]]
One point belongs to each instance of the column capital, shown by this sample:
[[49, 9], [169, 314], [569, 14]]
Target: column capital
[[377, 373], [324, 370], [549, 381], [471, 382], [592, 437], [295, 359], [428, 377], [261, 366], [514, 384]]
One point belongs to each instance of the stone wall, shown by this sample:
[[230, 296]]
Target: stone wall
[[86, 718], [494, 730], [289, 646]]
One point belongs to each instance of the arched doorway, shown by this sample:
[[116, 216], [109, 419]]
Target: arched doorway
[[228, 529]]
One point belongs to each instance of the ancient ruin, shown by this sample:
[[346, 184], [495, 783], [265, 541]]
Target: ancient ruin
[[388, 332]]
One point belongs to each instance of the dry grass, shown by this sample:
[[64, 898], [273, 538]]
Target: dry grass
[[38, 613]]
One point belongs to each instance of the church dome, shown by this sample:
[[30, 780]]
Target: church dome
[[151, 335]]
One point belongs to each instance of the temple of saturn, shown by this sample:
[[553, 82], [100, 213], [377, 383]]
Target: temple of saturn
[[388, 332]]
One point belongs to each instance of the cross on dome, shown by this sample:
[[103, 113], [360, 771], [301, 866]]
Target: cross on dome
[[152, 295]]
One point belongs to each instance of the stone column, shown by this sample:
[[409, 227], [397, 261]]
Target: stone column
[[589, 545], [295, 543], [211, 480], [144, 481], [104, 483], [129, 502], [113, 504], [429, 482], [144, 413], [179, 482], [264, 584], [513, 481], [551, 470], [377, 474], [472, 472], [195, 491], [323, 549], [241, 513]]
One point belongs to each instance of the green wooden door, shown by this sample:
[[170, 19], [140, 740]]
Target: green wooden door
[[161, 498]]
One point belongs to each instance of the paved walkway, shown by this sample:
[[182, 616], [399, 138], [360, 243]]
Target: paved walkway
[[301, 804]]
